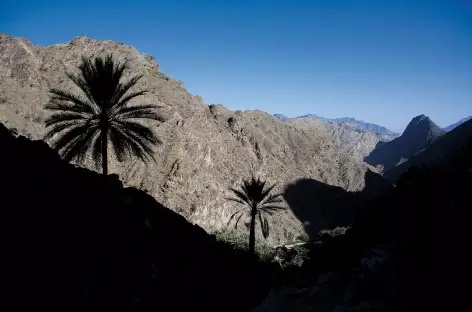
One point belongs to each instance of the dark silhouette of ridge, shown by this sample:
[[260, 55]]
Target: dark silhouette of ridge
[[74, 240], [419, 134], [438, 153], [421, 226]]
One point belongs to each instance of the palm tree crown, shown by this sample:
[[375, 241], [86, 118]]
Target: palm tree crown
[[255, 196], [100, 114]]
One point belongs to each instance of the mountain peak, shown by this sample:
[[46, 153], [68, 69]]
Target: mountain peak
[[422, 126], [420, 133]]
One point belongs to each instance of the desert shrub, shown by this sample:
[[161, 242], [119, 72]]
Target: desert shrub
[[239, 240], [303, 237], [337, 231]]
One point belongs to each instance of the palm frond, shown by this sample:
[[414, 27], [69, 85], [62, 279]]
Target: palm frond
[[120, 144], [140, 136], [142, 132], [264, 225], [69, 134], [137, 144], [273, 208], [62, 97], [237, 221], [82, 84], [101, 76], [272, 199], [123, 101], [63, 117], [253, 188], [139, 112], [269, 212], [77, 149], [233, 215], [265, 228], [241, 196], [266, 192], [239, 201], [73, 136], [57, 128]]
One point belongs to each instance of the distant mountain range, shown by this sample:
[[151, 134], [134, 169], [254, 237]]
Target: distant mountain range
[[350, 124], [455, 125]]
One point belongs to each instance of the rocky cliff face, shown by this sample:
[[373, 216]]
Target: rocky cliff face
[[207, 148], [418, 135], [352, 142]]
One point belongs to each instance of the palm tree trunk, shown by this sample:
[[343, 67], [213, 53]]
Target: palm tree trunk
[[252, 232], [104, 150]]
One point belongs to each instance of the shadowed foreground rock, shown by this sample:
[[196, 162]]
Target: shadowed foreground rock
[[77, 241]]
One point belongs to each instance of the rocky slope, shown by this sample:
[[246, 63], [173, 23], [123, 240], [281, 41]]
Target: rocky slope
[[441, 152], [353, 142], [455, 125], [206, 148], [418, 135]]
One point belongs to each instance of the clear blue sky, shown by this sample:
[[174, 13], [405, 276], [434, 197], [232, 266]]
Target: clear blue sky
[[380, 61]]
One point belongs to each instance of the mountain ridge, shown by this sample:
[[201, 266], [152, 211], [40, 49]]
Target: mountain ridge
[[440, 153], [419, 134], [455, 125], [349, 123], [206, 148]]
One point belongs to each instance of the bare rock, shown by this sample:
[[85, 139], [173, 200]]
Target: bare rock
[[206, 149]]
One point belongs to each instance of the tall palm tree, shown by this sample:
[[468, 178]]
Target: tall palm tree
[[258, 203], [101, 113]]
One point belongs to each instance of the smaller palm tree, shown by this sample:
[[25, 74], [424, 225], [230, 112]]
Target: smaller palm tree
[[258, 203]]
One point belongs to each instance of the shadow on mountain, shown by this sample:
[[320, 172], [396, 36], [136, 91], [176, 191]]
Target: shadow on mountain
[[74, 240], [321, 206], [405, 251]]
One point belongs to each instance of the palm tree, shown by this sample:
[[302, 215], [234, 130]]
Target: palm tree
[[258, 203], [102, 113]]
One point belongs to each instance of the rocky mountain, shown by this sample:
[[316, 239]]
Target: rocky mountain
[[442, 152], [418, 135], [455, 125], [206, 149], [281, 117], [350, 124], [357, 144]]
